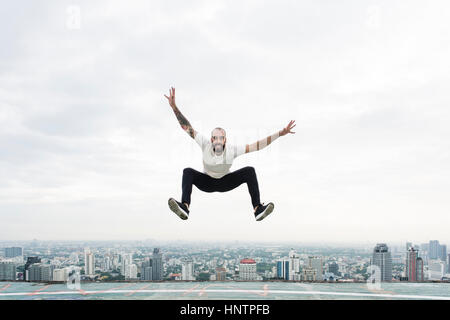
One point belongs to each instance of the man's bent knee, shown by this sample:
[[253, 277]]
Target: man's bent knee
[[250, 169], [188, 170]]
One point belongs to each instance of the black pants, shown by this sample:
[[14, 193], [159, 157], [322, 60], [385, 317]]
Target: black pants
[[228, 182]]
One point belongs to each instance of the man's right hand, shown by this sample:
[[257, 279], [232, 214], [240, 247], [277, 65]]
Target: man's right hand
[[184, 123], [172, 97]]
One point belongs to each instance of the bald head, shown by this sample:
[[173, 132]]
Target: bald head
[[218, 131]]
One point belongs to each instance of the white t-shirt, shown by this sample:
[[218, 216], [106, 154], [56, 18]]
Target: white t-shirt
[[217, 166]]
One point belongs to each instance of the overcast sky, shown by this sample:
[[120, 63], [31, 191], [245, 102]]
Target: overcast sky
[[90, 149]]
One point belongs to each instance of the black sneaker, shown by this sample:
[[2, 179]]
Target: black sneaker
[[263, 211], [179, 208]]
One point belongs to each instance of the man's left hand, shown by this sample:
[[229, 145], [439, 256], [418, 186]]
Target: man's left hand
[[288, 128]]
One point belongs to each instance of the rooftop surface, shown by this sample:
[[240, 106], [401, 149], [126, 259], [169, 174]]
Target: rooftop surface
[[224, 290]]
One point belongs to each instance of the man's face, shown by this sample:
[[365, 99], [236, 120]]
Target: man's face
[[218, 140]]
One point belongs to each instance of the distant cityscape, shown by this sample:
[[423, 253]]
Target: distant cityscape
[[53, 261]]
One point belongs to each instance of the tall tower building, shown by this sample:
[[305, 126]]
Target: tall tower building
[[107, 263], [414, 265], [146, 270], [187, 270], [315, 262], [443, 252], [127, 259], [333, 268], [8, 271], [294, 265], [89, 263], [157, 265], [448, 263], [115, 261], [434, 249], [247, 269], [47, 272], [40, 272], [30, 262], [419, 272], [408, 246], [283, 269], [34, 272], [382, 259], [131, 271]]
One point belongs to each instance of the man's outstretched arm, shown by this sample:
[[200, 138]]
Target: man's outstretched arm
[[184, 123], [260, 144]]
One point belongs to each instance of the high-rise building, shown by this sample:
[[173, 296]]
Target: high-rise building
[[8, 271], [89, 264], [131, 271], [411, 264], [382, 259], [115, 261], [28, 264], [187, 270], [157, 265], [294, 265], [247, 269], [408, 246], [420, 276], [126, 259], [414, 265], [333, 268], [316, 263], [448, 263], [283, 269], [434, 249], [221, 274], [443, 252], [13, 252], [107, 263], [34, 272], [41, 272], [47, 272], [146, 270]]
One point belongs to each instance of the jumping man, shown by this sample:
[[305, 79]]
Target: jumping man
[[218, 157]]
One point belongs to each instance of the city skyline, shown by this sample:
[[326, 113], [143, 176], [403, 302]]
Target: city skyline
[[90, 148], [109, 262]]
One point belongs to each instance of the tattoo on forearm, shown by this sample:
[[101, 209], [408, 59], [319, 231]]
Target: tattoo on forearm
[[184, 122], [261, 144]]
